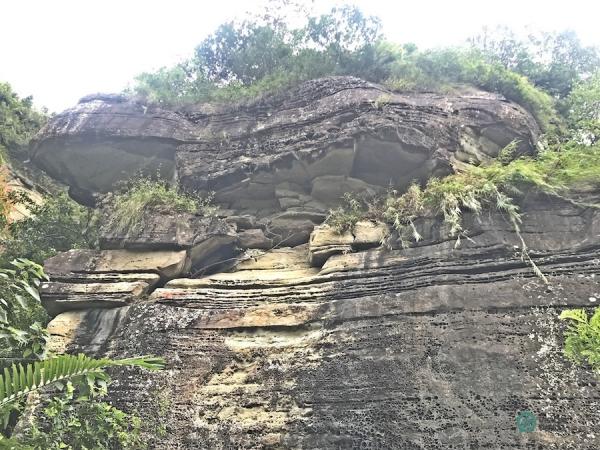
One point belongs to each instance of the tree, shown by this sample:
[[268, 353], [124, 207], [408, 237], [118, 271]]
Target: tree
[[19, 121], [265, 51], [554, 62], [58, 224], [583, 109]]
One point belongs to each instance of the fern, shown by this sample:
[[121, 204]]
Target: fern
[[20, 380], [582, 338]]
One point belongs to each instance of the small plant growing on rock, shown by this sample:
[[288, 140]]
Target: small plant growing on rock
[[345, 217], [381, 101], [144, 194], [565, 171], [582, 338]]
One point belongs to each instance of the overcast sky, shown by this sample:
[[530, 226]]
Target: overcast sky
[[61, 50]]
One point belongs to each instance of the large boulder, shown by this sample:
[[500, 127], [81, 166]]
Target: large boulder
[[299, 149], [326, 241], [210, 242]]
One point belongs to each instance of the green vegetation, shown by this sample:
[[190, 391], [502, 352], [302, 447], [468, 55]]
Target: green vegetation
[[553, 76], [66, 423], [75, 419], [582, 337], [438, 70], [22, 318], [583, 110], [564, 171], [142, 195], [21, 379], [57, 225], [554, 62], [6, 202], [19, 121], [265, 53]]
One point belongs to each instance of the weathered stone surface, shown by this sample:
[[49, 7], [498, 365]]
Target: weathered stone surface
[[435, 346], [210, 242], [325, 241], [284, 258], [59, 297], [293, 228], [168, 264], [255, 238], [151, 279], [323, 138], [428, 347]]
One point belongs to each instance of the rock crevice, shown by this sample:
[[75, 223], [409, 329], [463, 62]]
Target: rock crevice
[[311, 339]]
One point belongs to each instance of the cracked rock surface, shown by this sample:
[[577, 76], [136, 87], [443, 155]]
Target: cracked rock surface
[[308, 339]]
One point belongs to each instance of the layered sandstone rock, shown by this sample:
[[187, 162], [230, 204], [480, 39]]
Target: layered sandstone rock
[[302, 148], [310, 339]]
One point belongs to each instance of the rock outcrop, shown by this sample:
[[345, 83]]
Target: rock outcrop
[[311, 339], [303, 148]]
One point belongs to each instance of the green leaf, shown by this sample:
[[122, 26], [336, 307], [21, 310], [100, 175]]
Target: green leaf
[[21, 380], [577, 315]]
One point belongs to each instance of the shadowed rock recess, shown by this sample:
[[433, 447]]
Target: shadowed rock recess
[[280, 333]]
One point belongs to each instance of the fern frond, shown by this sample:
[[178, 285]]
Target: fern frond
[[20, 380], [577, 315]]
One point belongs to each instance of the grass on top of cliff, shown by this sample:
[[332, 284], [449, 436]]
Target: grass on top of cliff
[[142, 195], [565, 171]]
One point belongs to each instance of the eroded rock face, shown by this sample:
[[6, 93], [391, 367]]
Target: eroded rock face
[[313, 339], [301, 149], [431, 347]]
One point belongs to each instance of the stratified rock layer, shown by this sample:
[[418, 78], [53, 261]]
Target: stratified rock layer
[[424, 348], [300, 149], [318, 340]]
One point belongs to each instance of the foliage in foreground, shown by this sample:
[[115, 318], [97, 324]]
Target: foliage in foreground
[[22, 379], [22, 318], [66, 423], [143, 195], [76, 419], [582, 337]]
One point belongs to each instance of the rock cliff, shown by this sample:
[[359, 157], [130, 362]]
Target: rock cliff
[[280, 333]]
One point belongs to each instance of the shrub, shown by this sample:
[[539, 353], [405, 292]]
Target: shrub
[[345, 217], [75, 420], [22, 317], [583, 110], [57, 225], [438, 69], [66, 424], [19, 120], [142, 195]]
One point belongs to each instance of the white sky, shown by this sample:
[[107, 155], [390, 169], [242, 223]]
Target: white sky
[[61, 50]]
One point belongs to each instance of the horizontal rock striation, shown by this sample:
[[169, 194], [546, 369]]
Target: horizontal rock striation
[[279, 332], [432, 347], [302, 148]]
